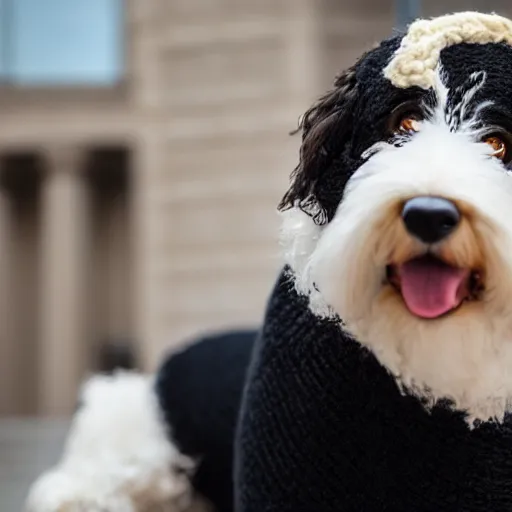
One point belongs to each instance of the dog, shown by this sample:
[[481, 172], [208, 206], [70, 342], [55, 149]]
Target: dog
[[381, 378]]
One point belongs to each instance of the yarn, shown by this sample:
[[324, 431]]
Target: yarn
[[416, 60]]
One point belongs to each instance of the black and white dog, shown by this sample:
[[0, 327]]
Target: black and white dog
[[381, 379]]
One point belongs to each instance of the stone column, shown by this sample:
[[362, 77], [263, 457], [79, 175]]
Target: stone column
[[64, 257], [9, 354]]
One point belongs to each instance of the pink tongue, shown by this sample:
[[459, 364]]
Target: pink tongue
[[431, 288]]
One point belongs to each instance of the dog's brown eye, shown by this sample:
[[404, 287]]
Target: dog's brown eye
[[405, 119], [498, 145], [408, 125]]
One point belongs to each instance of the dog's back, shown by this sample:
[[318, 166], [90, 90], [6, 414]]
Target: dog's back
[[200, 390]]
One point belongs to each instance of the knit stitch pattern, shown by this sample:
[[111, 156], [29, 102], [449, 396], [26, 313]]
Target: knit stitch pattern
[[325, 428], [415, 62]]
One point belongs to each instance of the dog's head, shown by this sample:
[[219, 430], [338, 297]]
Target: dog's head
[[399, 215]]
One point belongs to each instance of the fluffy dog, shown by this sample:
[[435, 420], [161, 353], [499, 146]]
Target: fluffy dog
[[382, 376]]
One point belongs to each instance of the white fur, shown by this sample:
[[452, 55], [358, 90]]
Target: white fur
[[415, 62], [465, 356], [117, 457]]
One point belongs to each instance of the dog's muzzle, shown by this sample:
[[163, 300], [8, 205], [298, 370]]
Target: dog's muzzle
[[430, 286]]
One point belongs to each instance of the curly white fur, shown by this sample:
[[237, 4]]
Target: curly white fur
[[118, 457], [416, 60]]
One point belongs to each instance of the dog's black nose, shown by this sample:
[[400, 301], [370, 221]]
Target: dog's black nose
[[430, 219]]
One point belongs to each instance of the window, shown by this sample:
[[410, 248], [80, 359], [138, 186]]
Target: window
[[61, 42], [406, 11]]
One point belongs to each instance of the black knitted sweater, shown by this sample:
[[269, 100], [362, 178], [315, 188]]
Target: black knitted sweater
[[324, 428]]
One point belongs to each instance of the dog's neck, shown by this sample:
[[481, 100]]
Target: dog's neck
[[351, 435], [469, 368]]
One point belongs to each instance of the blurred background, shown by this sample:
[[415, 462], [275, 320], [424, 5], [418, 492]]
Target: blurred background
[[143, 150]]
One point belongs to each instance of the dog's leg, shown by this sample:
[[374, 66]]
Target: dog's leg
[[118, 457]]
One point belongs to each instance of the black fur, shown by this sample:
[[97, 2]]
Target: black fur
[[200, 390], [338, 128]]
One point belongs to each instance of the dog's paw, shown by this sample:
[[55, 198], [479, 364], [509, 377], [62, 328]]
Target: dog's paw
[[62, 491]]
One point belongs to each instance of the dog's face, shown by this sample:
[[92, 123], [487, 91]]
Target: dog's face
[[399, 216]]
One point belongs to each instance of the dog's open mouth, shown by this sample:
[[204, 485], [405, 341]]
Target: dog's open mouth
[[431, 288]]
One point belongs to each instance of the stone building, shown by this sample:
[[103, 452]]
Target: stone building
[[144, 211]]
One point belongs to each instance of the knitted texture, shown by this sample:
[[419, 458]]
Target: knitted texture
[[324, 428], [416, 60], [199, 390]]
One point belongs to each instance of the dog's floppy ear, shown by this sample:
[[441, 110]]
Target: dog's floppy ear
[[325, 127]]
